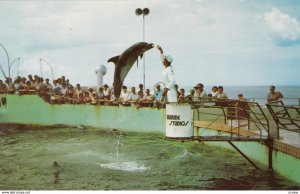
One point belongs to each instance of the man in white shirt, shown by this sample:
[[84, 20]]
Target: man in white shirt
[[106, 92], [168, 77], [200, 91], [133, 95], [221, 94], [124, 97]]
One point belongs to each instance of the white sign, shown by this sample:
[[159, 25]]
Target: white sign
[[179, 120]]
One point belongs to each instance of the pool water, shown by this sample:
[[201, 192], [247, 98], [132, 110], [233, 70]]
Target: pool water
[[105, 159]]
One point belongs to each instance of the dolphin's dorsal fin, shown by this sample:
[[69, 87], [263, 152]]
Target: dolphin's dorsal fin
[[115, 59]]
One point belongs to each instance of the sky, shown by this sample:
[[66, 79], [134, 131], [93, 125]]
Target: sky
[[215, 42]]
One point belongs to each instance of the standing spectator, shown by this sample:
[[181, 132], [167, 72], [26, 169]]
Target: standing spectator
[[141, 88], [133, 95], [200, 91], [2, 87], [30, 79], [274, 95], [221, 94], [106, 92], [48, 85], [147, 96], [124, 96], [158, 93], [100, 93], [181, 96], [78, 90], [214, 91], [190, 97], [23, 83], [176, 88]]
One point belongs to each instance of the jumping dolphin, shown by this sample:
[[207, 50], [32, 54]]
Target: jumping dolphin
[[125, 61]]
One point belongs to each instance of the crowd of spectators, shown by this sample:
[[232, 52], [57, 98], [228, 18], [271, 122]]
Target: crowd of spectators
[[61, 91]]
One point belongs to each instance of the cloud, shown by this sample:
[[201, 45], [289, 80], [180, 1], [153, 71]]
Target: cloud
[[285, 29], [211, 41]]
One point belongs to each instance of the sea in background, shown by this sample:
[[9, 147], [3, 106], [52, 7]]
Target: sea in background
[[106, 159], [258, 94]]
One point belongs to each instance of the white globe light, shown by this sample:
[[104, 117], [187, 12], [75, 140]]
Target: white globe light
[[101, 69]]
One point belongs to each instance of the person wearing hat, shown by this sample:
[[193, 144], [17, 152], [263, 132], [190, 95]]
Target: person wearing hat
[[168, 77]]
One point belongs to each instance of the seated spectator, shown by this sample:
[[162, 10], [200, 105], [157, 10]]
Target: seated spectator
[[181, 96], [221, 94], [274, 95]]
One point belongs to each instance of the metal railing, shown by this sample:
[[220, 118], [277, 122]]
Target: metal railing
[[287, 101], [239, 118], [286, 117]]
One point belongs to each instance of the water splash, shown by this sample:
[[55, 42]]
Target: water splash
[[125, 166], [187, 154], [119, 143]]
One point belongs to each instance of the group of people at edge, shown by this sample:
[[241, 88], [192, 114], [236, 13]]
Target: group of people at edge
[[64, 92], [61, 91]]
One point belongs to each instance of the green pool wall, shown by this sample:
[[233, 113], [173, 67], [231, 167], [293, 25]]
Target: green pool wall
[[31, 109]]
